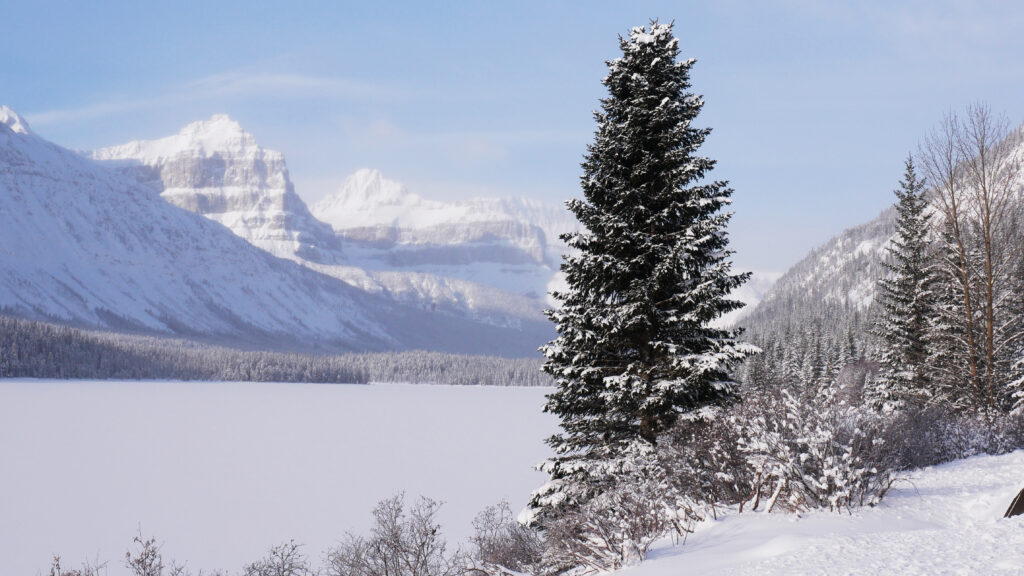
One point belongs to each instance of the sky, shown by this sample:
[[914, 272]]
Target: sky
[[813, 106]]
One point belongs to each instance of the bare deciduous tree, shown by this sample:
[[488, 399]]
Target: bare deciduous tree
[[399, 544], [973, 167], [988, 148], [282, 560], [941, 159], [87, 569]]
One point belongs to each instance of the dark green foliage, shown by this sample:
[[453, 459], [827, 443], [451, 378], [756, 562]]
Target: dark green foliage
[[40, 350], [908, 309], [635, 352]]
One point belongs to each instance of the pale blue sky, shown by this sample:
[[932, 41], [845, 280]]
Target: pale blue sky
[[813, 105]]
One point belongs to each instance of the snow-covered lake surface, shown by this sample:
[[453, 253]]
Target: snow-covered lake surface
[[219, 472], [942, 520]]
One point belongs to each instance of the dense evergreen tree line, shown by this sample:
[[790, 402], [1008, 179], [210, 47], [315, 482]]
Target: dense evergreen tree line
[[952, 309], [41, 350]]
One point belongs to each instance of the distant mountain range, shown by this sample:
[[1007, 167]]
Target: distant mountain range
[[484, 259], [108, 239], [101, 240]]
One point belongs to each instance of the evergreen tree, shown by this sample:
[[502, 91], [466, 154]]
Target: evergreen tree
[[908, 303], [635, 352]]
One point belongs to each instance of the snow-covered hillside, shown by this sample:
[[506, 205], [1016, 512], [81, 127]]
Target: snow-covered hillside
[[82, 243], [842, 271], [219, 472], [941, 520], [826, 297]]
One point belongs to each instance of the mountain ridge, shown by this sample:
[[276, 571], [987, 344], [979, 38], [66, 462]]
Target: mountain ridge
[[87, 245]]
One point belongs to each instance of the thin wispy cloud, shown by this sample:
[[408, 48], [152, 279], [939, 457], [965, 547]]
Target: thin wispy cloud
[[237, 83], [224, 85]]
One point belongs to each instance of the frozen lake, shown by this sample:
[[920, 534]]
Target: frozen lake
[[219, 472]]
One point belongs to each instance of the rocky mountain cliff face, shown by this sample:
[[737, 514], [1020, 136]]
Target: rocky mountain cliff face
[[218, 170], [88, 245]]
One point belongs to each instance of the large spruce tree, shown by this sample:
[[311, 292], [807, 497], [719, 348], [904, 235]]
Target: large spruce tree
[[908, 304], [648, 274]]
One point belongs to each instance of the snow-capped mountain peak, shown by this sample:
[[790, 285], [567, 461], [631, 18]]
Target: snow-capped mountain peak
[[217, 169], [218, 136], [367, 198], [369, 185], [509, 243], [13, 121]]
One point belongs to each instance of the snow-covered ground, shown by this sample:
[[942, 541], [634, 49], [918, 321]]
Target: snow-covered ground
[[941, 520], [219, 472]]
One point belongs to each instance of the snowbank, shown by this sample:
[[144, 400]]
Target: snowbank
[[941, 520]]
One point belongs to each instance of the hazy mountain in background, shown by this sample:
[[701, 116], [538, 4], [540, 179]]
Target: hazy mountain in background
[[511, 243], [85, 245], [495, 274]]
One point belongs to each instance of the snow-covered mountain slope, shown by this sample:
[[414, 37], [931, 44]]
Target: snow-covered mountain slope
[[830, 291], [946, 519], [842, 274], [844, 270], [85, 244], [215, 168], [218, 170], [512, 243]]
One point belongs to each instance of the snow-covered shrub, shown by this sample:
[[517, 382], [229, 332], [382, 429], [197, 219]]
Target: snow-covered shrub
[[501, 545], [808, 451], [87, 569], [617, 526], [282, 560], [702, 466], [919, 437], [399, 544], [148, 560]]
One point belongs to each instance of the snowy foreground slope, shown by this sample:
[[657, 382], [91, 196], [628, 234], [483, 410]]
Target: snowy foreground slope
[[941, 520], [219, 472]]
